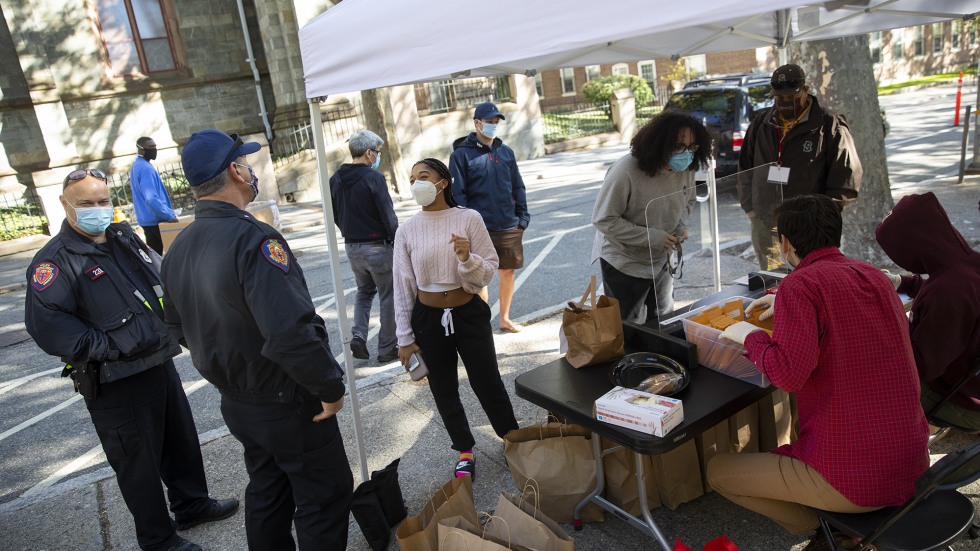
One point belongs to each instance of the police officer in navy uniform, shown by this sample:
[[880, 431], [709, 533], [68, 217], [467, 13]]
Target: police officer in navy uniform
[[235, 295], [94, 300]]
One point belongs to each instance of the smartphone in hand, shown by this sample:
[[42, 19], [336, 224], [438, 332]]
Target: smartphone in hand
[[416, 367]]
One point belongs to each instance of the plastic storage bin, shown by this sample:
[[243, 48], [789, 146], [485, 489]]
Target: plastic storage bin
[[722, 356]]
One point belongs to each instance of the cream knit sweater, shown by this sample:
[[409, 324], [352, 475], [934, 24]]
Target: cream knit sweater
[[424, 254]]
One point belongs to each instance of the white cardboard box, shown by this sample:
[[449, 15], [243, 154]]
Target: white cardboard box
[[640, 411]]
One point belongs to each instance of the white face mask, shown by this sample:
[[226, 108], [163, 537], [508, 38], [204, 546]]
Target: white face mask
[[782, 256], [424, 192], [489, 130]]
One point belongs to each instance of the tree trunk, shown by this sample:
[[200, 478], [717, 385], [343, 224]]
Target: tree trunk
[[840, 73], [379, 119]]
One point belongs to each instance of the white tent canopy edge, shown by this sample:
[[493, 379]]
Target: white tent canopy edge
[[360, 45]]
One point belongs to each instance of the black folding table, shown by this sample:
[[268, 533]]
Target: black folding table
[[709, 399]]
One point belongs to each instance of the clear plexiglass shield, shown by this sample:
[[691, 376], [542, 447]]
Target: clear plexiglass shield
[[698, 243]]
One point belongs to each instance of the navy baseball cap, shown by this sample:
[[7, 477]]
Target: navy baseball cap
[[209, 152], [487, 110]]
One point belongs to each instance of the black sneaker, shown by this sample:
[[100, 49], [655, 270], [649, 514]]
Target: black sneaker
[[359, 348], [184, 545], [218, 510], [388, 356], [466, 467]]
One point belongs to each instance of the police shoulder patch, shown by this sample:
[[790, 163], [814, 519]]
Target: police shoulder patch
[[274, 250], [44, 275]]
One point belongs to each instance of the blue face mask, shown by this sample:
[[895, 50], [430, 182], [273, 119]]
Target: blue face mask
[[680, 161], [377, 160], [489, 130], [92, 220]]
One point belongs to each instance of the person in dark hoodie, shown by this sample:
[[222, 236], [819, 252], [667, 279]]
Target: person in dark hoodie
[[486, 179], [943, 322], [363, 211]]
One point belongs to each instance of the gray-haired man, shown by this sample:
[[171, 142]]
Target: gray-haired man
[[363, 211]]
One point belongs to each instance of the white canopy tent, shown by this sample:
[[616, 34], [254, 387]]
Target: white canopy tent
[[361, 45]]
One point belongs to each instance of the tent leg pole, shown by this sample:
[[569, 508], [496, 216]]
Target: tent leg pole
[[715, 233], [338, 283]]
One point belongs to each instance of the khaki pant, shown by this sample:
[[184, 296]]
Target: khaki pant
[[765, 242], [777, 486], [950, 413]]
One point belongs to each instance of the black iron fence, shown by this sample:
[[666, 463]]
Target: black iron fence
[[450, 95], [121, 192], [21, 215], [582, 119], [339, 122]]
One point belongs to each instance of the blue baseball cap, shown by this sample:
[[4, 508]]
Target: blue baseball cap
[[487, 110], [209, 152]]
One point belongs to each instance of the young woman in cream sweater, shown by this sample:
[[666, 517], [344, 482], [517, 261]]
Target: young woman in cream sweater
[[443, 257]]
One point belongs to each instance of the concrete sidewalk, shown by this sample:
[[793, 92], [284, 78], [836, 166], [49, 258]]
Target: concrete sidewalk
[[399, 420]]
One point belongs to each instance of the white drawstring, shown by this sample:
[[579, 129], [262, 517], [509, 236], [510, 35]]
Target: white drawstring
[[447, 321]]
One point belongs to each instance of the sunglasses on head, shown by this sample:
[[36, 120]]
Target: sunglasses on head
[[231, 154], [81, 173], [790, 85]]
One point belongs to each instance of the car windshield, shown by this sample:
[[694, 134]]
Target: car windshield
[[715, 107], [759, 97]]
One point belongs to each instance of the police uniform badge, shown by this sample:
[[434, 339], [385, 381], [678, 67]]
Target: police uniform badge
[[44, 275], [146, 257], [274, 251]]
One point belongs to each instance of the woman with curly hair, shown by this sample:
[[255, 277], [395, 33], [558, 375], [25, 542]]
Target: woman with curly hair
[[641, 210], [443, 258]]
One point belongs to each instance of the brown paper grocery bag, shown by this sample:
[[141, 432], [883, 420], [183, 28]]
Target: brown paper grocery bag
[[459, 534], [455, 498], [621, 489], [678, 475], [777, 422], [743, 430], [528, 525], [594, 335], [558, 457], [710, 443]]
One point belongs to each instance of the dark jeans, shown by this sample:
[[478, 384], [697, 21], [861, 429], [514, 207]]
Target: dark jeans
[[472, 340], [297, 472], [153, 239], [640, 300], [147, 431]]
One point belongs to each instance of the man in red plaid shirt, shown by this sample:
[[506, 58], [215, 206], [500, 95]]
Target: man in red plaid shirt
[[840, 342]]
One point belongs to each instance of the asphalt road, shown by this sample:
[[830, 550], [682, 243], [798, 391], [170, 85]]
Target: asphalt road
[[45, 433]]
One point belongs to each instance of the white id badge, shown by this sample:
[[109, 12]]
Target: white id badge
[[778, 175]]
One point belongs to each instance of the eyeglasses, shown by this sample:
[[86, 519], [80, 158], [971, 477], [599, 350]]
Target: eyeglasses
[[681, 148], [81, 173]]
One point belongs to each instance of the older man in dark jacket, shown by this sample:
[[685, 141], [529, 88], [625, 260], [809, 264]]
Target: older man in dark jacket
[[795, 148], [94, 299], [236, 295]]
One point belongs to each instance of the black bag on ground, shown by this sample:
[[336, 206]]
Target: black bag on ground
[[378, 506]]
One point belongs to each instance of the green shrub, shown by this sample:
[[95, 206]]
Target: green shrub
[[600, 89]]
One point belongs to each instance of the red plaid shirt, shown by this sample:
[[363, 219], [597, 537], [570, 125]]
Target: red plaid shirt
[[841, 342]]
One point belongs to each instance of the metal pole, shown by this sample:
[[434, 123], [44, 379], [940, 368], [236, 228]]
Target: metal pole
[[713, 213], [976, 124], [966, 138], [338, 282]]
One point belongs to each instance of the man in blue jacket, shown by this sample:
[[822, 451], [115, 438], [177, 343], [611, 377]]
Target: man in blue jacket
[[150, 199], [94, 299], [486, 179], [363, 211]]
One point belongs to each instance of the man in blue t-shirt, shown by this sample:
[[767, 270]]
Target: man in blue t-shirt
[[150, 200]]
